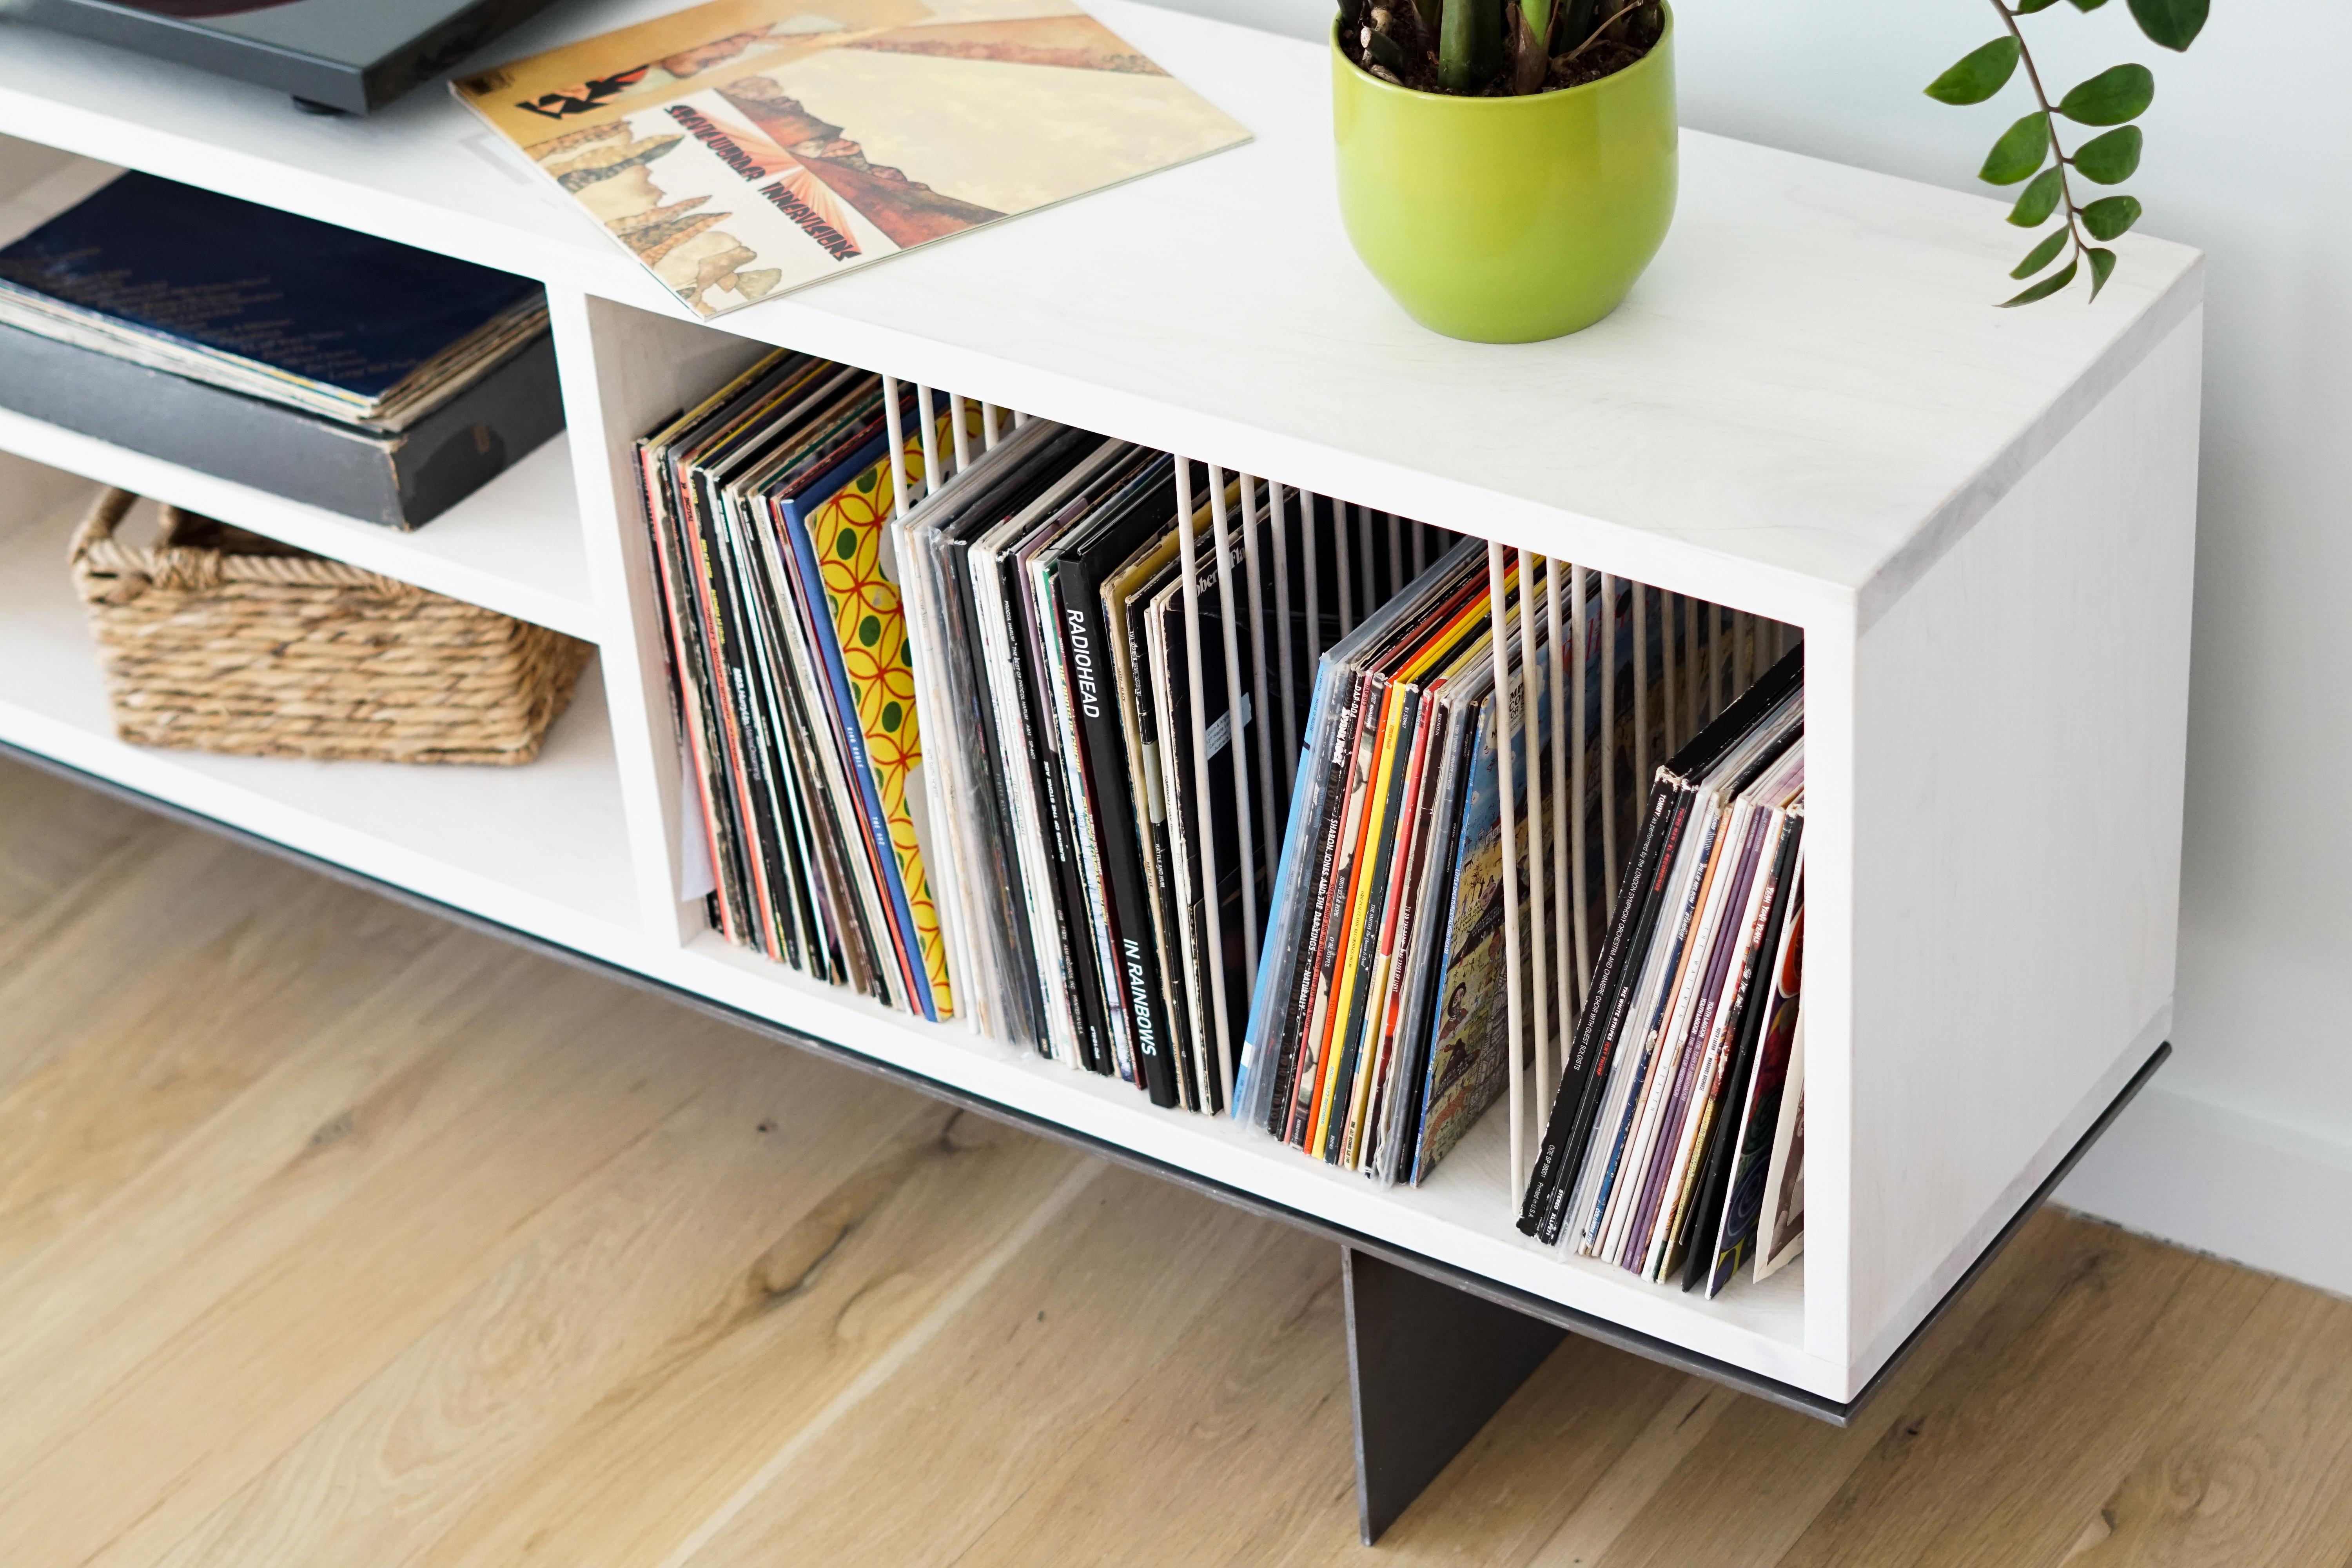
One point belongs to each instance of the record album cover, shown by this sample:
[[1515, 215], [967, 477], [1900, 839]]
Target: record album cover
[[266, 302], [748, 147]]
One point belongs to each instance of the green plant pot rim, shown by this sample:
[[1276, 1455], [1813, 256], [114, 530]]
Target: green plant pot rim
[[1466, 104]]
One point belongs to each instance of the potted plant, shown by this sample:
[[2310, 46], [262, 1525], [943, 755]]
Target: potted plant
[[1506, 167]]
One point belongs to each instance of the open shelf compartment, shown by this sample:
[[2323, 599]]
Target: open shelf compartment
[[540, 846], [514, 545]]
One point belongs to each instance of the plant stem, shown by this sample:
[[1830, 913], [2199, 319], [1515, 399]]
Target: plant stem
[[1636, 5], [1470, 49], [2050, 119]]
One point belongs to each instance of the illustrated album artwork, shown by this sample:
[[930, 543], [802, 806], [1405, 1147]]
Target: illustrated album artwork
[[744, 148]]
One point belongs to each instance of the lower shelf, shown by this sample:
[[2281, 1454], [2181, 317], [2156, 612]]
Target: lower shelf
[[541, 846]]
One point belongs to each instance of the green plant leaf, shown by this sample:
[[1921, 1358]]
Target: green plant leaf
[[2040, 200], [2111, 215], [2088, 5], [1538, 16], [2026, 7], [2018, 151], [2040, 255], [2175, 24], [2103, 264], [2111, 159], [2115, 95], [2047, 286], [1979, 74]]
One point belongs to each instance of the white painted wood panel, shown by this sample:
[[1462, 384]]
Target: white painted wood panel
[[623, 372], [513, 546], [2021, 718], [1752, 426]]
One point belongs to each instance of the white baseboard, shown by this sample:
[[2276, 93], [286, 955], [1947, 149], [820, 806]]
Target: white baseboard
[[2218, 1181]]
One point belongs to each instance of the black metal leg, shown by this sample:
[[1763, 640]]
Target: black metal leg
[[1428, 1365]]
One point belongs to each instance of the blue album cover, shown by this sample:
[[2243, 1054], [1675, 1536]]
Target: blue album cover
[[301, 297]]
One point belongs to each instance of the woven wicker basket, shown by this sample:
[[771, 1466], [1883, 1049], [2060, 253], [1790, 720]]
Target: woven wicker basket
[[219, 640]]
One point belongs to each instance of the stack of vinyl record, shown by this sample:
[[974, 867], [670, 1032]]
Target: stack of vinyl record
[[1420, 885], [1673, 1146], [1121, 646], [1218, 786], [327, 366], [767, 505], [264, 302], [1378, 1036]]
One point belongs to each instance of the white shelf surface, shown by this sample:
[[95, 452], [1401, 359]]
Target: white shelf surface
[[513, 546], [540, 846], [1750, 426]]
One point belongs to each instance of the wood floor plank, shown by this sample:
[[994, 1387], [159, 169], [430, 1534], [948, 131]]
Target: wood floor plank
[[2252, 1465], [117, 948], [1640, 1474], [2024, 1445], [1250, 1400], [183, 1428], [878, 1244], [216, 1006], [921, 1468], [1757, 1479], [58, 834], [164, 959], [620, 1269], [340, 1108]]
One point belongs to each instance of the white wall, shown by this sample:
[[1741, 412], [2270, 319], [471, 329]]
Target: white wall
[[2245, 1147]]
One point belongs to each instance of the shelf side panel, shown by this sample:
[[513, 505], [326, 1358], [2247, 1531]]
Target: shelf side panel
[[624, 371], [2021, 736]]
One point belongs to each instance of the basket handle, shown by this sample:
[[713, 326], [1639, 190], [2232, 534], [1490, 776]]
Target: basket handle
[[106, 571], [97, 525]]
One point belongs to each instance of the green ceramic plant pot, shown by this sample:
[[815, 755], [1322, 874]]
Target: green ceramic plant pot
[[1505, 220]]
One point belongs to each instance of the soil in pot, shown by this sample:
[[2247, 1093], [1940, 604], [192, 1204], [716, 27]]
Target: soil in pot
[[1397, 41]]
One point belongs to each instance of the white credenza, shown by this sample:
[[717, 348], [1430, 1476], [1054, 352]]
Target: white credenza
[[1809, 409]]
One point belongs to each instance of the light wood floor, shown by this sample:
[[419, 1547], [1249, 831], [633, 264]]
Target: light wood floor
[[333, 1236]]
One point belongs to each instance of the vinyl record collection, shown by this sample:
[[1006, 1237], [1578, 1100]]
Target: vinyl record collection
[[1376, 1037], [796, 700], [1667, 1120], [1214, 786], [1124, 696]]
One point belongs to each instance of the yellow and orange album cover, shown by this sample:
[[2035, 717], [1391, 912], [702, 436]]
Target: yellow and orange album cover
[[862, 598], [746, 147]]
